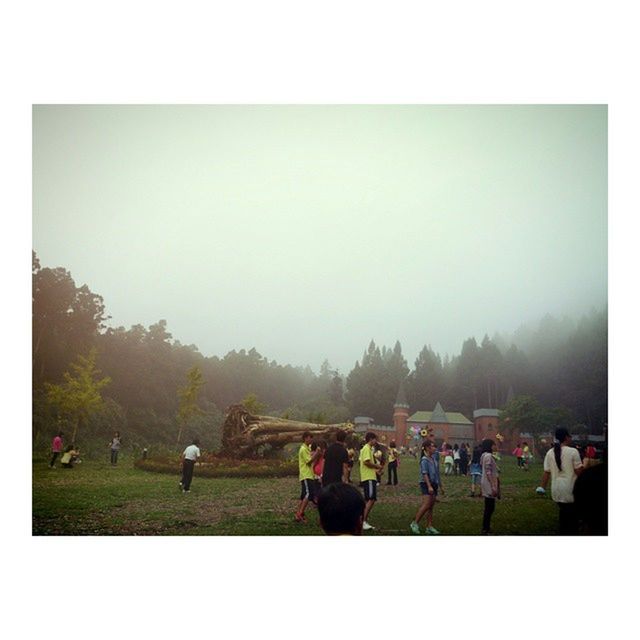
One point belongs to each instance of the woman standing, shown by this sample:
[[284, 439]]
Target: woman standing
[[476, 472], [489, 483], [429, 486], [563, 465], [115, 445]]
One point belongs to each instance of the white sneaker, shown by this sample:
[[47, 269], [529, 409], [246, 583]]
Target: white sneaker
[[366, 526]]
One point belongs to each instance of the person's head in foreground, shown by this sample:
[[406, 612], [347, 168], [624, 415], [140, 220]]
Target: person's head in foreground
[[427, 449], [196, 441], [562, 437], [307, 438], [341, 436], [341, 510]]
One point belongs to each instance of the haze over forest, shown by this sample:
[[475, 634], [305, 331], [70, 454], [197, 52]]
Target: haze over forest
[[306, 232]]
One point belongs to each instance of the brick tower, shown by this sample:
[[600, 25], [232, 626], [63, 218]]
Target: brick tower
[[400, 415]]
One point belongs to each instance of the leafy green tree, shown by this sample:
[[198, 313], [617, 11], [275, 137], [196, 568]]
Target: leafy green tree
[[80, 395], [188, 400], [524, 413], [253, 405]]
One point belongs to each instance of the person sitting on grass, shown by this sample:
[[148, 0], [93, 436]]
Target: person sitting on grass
[[429, 486], [69, 456], [189, 458], [341, 510]]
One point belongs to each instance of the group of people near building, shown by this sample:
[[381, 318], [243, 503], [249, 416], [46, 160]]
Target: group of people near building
[[344, 510]]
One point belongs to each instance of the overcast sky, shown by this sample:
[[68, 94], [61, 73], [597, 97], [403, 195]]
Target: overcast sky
[[307, 231]]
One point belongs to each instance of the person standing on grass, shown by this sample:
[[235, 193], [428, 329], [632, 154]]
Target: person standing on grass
[[464, 459], [336, 461], [189, 458], [448, 461], [56, 448], [489, 483], [526, 456], [352, 456], [430, 484], [456, 459], [517, 452], [306, 460], [393, 464], [318, 465], [341, 510], [368, 475], [115, 445], [563, 465], [476, 471]]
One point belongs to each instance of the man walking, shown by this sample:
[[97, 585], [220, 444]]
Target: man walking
[[189, 458], [368, 475]]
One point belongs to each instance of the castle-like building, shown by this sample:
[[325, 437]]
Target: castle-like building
[[445, 426]]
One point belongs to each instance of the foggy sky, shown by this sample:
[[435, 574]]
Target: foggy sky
[[307, 231]]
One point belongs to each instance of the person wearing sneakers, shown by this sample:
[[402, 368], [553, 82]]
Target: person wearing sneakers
[[189, 457], [306, 460], [368, 475], [429, 486]]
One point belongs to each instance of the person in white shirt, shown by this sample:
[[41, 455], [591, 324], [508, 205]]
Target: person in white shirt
[[563, 465], [189, 457]]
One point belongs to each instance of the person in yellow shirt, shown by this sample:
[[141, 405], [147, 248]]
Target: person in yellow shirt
[[368, 475], [306, 460], [393, 463]]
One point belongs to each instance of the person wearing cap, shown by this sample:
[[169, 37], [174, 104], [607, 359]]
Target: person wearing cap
[[562, 465]]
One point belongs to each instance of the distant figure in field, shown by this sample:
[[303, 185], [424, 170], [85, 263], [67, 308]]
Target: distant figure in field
[[464, 459], [306, 460], [448, 461], [489, 483], [526, 456], [368, 475], [456, 459], [394, 459], [115, 445], [56, 448], [189, 458], [517, 452], [341, 510], [430, 484], [563, 465], [476, 471], [336, 461], [70, 456]]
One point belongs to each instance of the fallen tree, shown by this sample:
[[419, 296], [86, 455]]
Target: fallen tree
[[243, 432]]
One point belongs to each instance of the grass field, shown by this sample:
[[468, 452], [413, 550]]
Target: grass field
[[97, 499]]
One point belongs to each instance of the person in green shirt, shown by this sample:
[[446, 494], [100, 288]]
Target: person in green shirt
[[306, 460], [368, 475]]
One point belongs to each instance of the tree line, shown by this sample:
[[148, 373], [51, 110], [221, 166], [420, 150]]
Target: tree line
[[158, 390]]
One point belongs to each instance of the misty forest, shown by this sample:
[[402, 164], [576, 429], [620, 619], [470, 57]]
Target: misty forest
[[90, 379]]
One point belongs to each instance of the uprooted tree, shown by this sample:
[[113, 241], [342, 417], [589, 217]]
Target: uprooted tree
[[243, 433]]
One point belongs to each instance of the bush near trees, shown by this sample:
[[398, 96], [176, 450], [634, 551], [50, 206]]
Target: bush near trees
[[561, 363]]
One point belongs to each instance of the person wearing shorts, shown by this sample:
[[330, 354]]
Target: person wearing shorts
[[368, 475], [429, 485], [476, 472], [306, 459]]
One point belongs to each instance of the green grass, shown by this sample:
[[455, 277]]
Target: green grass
[[97, 499]]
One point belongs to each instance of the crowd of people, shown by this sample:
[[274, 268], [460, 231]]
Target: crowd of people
[[345, 510], [578, 482]]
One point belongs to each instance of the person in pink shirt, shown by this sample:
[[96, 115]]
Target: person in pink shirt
[[517, 452], [56, 448]]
